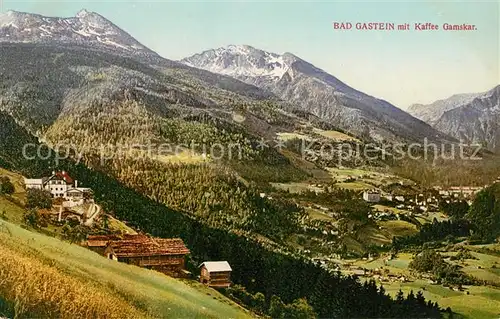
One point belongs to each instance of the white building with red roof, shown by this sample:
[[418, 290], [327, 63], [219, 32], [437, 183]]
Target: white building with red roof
[[60, 185]]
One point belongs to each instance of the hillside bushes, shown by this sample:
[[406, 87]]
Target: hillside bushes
[[434, 232], [432, 262], [6, 186], [485, 213], [38, 198], [276, 308]]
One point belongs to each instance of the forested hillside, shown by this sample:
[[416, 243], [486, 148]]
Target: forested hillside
[[260, 268]]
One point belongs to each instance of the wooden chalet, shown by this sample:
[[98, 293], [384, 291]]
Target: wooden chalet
[[160, 254], [98, 243], [216, 274]]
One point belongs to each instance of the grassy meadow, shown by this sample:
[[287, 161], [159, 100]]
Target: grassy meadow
[[47, 277], [481, 302], [475, 302]]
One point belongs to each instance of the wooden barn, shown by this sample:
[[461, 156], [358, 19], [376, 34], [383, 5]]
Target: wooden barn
[[216, 274], [98, 243], [160, 254]]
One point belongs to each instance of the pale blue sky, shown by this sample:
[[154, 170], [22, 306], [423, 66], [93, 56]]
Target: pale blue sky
[[401, 67]]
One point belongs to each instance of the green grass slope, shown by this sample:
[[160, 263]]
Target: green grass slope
[[151, 293]]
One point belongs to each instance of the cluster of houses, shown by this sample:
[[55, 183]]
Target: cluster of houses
[[70, 201], [382, 274], [420, 201], [165, 255], [371, 196], [459, 191], [60, 185]]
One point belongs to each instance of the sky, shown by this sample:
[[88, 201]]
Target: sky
[[402, 67]]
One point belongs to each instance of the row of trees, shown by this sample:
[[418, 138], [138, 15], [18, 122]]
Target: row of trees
[[275, 308], [432, 262], [435, 232]]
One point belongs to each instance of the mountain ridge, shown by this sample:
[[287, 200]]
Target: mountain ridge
[[295, 81], [430, 113], [314, 90], [470, 117], [84, 28], [476, 121]]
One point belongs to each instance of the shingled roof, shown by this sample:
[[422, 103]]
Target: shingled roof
[[103, 240], [100, 240], [146, 246], [216, 266]]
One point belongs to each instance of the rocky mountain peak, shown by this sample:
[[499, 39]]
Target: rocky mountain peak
[[82, 13], [313, 90], [86, 28], [470, 117], [241, 60]]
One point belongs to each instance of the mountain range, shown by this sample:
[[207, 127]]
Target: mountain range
[[315, 91], [471, 118], [86, 59], [297, 84], [88, 89], [56, 67]]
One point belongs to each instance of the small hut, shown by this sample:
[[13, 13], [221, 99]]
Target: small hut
[[216, 274]]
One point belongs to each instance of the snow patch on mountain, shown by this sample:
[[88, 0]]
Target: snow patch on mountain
[[241, 60], [86, 28], [313, 90]]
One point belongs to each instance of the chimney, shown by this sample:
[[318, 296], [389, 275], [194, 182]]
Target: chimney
[[64, 172], [53, 172], [76, 184]]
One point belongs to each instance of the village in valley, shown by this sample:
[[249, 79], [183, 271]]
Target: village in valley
[[419, 204], [364, 245], [75, 205]]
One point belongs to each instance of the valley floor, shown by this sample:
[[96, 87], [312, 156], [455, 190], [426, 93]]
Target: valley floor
[[472, 302]]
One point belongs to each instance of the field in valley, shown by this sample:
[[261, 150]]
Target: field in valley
[[352, 179], [335, 135], [474, 302], [365, 177], [481, 302]]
